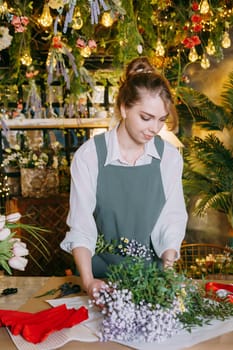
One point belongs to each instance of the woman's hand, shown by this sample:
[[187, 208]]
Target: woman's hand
[[94, 286], [168, 258]]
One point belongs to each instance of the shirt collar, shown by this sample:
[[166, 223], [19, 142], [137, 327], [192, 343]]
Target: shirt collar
[[113, 150]]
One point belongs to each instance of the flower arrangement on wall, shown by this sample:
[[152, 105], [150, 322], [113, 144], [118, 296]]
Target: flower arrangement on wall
[[41, 157], [42, 170]]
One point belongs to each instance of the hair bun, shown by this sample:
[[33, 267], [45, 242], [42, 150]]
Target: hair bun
[[139, 65]]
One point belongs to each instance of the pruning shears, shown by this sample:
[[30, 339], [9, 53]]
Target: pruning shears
[[64, 289]]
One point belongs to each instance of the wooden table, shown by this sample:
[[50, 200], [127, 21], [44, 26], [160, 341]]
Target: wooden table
[[29, 287]]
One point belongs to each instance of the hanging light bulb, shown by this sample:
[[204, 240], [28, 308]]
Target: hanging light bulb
[[51, 61], [107, 20], [46, 19], [3, 8], [26, 58], [205, 63], [204, 7], [226, 41], [159, 49], [140, 49], [210, 48], [85, 51], [193, 56], [77, 20]]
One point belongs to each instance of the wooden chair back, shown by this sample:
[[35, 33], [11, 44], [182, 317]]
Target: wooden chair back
[[203, 259]]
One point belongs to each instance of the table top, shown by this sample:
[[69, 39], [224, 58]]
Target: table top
[[24, 300], [27, 287]]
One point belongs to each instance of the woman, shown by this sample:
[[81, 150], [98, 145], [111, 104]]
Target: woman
[[127, 182]]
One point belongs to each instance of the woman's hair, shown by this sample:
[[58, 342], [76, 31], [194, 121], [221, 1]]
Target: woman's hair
[[140, 75], [139, 65]]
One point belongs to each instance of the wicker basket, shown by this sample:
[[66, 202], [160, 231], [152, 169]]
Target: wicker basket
[[39, 183]]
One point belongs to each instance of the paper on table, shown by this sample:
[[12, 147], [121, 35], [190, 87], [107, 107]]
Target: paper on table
[[87, 332], [184, 339], [57, 339], [180, 341]]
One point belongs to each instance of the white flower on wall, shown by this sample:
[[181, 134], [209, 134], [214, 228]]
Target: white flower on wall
[[5, 38]]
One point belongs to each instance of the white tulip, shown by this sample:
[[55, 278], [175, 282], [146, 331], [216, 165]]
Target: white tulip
[[19, 249], [4, 233], [14, 217], [2, 221], [18, 263]]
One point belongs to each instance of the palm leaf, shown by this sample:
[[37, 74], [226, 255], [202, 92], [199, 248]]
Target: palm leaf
[[208, 175], [221, 201], [208, 162], [203, 110], [227, 99]]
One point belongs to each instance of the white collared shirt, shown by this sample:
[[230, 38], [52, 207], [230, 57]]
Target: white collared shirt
[[169, 230]]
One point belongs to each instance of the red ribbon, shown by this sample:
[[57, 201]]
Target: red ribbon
[[36, 327], [212, 287]]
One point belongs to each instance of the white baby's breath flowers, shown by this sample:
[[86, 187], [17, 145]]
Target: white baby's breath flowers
[[134, 248], [126, 321]]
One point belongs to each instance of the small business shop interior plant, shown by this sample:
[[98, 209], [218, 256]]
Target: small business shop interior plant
[[208, 158]]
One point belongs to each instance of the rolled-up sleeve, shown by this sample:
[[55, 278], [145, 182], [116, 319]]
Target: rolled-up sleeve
[[82, 228], [169, 230]]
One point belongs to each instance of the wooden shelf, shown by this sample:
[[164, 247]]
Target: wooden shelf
[[57, 123]]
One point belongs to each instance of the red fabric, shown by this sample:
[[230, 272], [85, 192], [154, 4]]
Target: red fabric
[[212, 287], [36, 327]]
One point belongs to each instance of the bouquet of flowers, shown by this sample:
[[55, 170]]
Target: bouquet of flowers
[[41, 157], [13, 251], [144, 303]]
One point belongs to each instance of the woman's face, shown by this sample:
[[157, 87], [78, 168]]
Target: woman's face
[[145, 119]]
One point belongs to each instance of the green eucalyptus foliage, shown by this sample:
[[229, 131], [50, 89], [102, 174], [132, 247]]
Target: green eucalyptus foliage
[[154, 286]]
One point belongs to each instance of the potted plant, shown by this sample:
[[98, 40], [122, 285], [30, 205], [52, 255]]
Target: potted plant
[[208, 160]]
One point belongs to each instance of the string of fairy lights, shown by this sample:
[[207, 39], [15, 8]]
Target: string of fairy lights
[[202, 30], [4, 189], [199, 30]]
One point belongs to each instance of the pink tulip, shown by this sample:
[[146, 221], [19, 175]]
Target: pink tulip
[[4, 233], [20, 29], [18, 263], [15, 21], [24, 20], [80, 43], [92, 44]]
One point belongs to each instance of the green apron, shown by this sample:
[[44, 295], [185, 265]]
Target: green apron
[[129, 200]]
